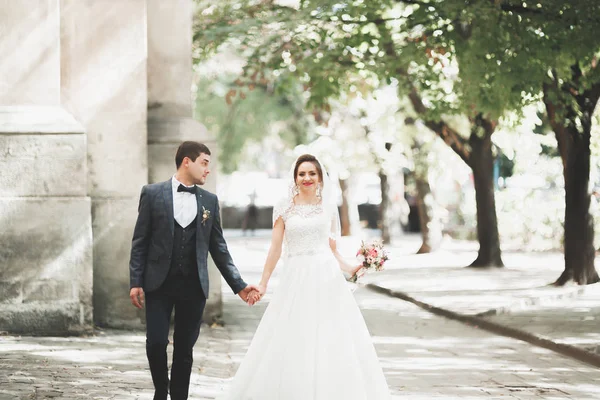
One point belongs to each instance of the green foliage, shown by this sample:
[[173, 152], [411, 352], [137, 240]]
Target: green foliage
[[508, 50], [327, 45], [463, 56], [238, 118]]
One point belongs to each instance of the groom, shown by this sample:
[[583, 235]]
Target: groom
[[178, 224]]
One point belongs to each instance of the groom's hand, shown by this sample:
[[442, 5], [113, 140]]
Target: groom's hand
[[136, 295], [245, 292], [256, 295]]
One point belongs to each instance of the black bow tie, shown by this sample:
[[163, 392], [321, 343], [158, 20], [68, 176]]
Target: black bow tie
[[183, 188]]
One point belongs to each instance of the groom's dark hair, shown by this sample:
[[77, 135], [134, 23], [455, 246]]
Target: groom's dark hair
[[191, 150]]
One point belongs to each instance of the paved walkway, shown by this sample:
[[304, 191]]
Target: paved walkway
[[519, 296], [424, 356]]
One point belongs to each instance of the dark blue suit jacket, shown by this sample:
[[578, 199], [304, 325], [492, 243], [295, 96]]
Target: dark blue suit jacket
[[152, 243]]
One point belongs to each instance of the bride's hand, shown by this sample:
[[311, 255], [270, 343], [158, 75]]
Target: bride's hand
[[355, 269], [355, 272], [262, 288], [257, 295], [253, 298]]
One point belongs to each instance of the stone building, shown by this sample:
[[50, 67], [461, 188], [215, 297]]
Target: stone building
[[94, 99]]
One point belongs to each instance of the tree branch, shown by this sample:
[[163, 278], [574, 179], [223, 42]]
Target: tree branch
[[415, 2], [594, 94], [518, 9], [559, 129], [504, 6], [451, 137], [441, 128], [376, 21]]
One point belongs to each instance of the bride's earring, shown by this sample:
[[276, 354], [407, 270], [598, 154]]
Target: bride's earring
[[319, 190]]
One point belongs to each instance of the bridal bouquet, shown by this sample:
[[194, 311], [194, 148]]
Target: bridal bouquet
[[373, 257]]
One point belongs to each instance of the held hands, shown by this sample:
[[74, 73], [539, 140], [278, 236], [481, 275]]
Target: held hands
[[257, 295], [252, 294]]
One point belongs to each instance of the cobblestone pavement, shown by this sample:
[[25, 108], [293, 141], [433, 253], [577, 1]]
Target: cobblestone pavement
[[423, 356]]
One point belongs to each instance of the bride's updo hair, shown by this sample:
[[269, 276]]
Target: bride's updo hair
[[311, 159]]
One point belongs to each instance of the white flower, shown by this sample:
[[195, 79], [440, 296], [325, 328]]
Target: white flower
[[288, 3], [205, 215]]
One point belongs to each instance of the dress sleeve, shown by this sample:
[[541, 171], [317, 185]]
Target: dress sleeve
[[280, 210]]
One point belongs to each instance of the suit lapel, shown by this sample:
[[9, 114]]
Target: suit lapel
[[168, 197]]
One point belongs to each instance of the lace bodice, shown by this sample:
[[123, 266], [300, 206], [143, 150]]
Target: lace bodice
[[307, 229]]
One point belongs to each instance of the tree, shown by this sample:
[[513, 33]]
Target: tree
[[570, 107], [429, 221], [520, 52], [357, 137], [393, 119], [239, 117], [336, 46]]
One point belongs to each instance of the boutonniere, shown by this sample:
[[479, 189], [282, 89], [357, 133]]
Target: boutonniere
[[205, 215]]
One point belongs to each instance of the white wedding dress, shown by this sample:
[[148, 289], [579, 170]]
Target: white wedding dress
[[312, 342]]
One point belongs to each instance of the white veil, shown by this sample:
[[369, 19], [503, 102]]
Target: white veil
[[328, 199]]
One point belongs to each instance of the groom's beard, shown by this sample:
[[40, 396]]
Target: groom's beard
[[202, 180]]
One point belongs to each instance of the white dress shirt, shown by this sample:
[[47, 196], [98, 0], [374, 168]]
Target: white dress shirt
[[185, 207]]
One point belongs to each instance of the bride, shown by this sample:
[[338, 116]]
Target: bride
[[312, 342]]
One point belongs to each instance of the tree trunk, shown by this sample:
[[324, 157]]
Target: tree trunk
[[574, 145], [345, 209], [431, 232], [477, 154], [482, 165], [579, 224], [384, 208]]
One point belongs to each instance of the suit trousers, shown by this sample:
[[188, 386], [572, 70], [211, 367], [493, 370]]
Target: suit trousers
[[184, 294]]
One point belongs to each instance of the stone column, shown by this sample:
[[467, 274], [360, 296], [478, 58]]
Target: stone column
[[170, 106], [45, 222], [104, 55]]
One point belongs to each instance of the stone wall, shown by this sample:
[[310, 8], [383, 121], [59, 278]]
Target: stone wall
[[90, 90], [46, 233], [104, 80], [170, 106], [45, 220]]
